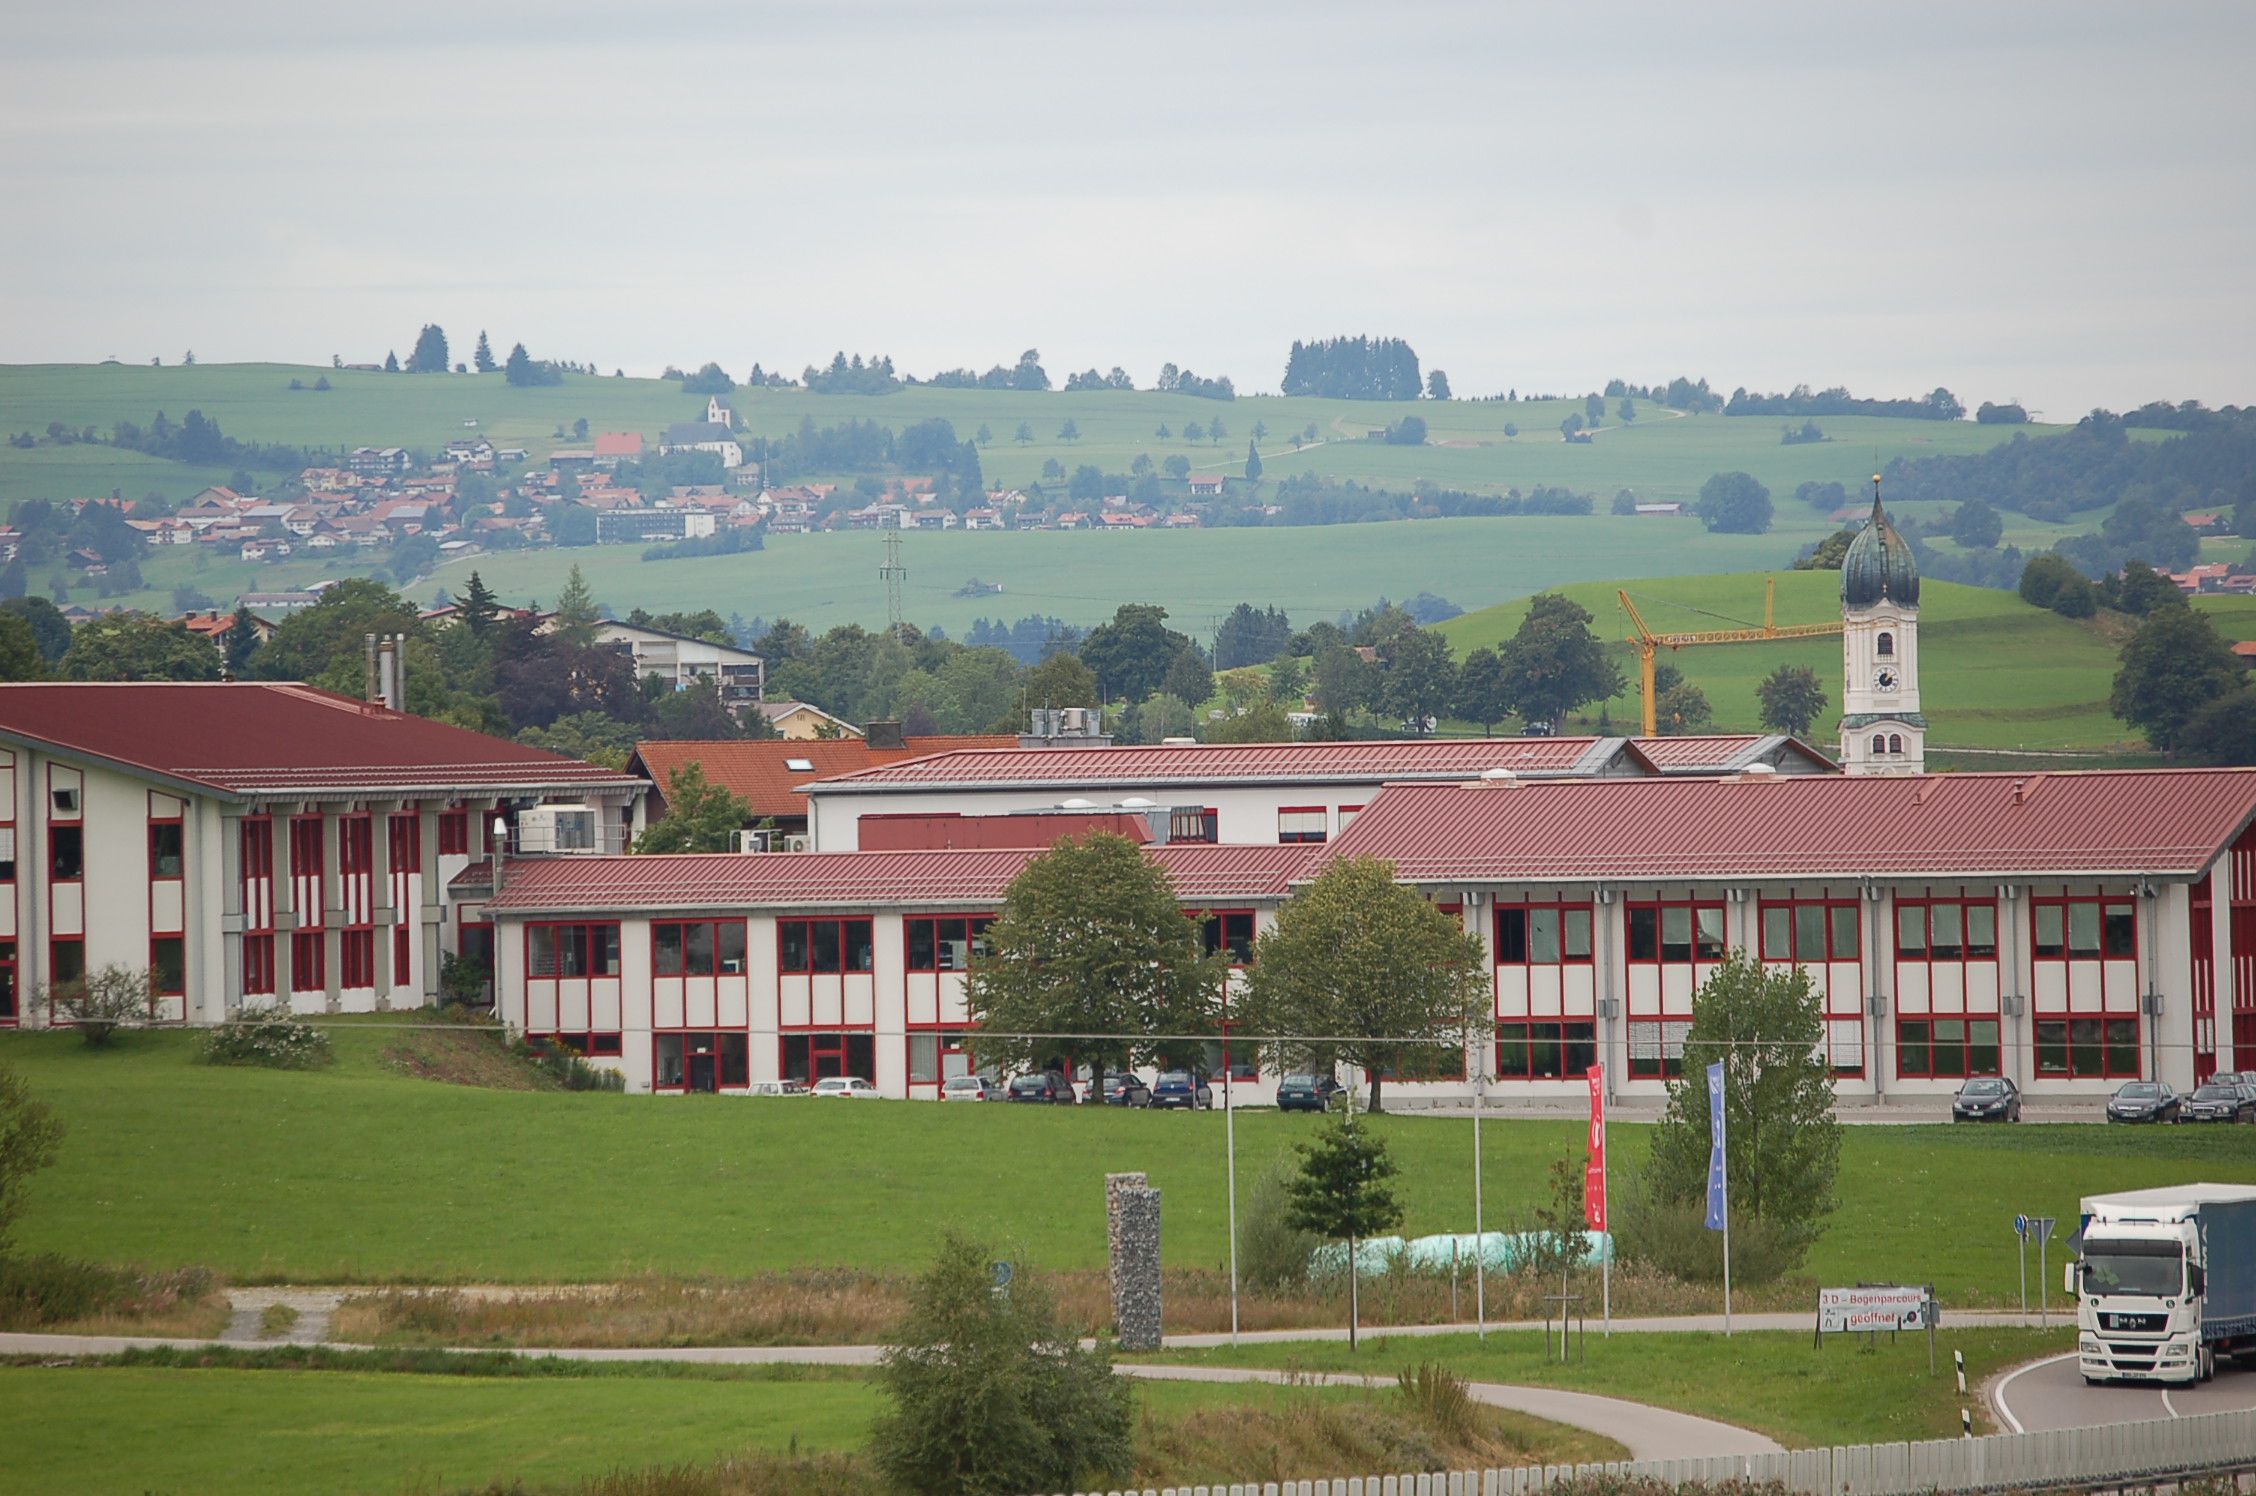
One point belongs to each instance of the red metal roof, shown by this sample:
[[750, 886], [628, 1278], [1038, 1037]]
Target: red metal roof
[[966, 879], [2159, 822], [758, 773], [273, 738], [1285, 763]]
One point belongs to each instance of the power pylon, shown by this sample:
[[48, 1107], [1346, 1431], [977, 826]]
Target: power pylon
[[894, 573]]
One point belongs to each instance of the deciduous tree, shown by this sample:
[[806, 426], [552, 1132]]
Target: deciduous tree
[[2175, 665], [1343, 1192], [700, 816], [1554, 663], [1377, 975], [1792, 698], [29, 1133], [1734, 504], [136, 647], [1484, 690]]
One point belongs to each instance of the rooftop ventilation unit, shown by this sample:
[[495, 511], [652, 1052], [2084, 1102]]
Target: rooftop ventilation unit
[[557, 830], [755, 841]]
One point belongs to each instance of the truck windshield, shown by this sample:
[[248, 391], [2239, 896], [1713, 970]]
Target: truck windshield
[[2142, 1267]]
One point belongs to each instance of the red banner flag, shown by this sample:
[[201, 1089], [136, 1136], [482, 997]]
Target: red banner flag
[[1594, 1172]]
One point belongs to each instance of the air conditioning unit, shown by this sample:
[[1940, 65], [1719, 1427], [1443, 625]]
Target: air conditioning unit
[[755, 841], [550, 829], [798, 844]]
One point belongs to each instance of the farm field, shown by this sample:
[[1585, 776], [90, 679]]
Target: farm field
[[360, 1173], [1994, 672], [828, 579]]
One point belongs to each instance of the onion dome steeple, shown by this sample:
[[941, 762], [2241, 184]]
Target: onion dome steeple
[[1879, 566]]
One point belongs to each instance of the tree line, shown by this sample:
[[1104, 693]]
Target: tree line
[[2211, 465], [1358, 368], [1937, 405]]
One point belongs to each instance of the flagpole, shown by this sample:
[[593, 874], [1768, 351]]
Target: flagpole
[[1605, 1214], [1480, 1233], [1723, 1144]]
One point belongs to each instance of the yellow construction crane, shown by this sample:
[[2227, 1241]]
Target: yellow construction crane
[[1648, 643]]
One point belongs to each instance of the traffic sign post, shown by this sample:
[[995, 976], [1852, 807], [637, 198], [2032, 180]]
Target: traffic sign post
[[2042, 1226], [2021, 1251]]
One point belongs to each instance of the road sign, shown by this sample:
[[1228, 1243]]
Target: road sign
[[1000, 1272], [2021, 1226], [1877, 1307], [2042, 1225]]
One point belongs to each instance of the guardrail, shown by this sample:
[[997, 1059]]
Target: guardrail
[[2048, 1459]]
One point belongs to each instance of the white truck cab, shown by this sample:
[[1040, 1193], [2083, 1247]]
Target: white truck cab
[[2165, 1282]]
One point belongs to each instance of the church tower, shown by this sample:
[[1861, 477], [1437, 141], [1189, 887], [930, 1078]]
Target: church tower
[[1882, 731]]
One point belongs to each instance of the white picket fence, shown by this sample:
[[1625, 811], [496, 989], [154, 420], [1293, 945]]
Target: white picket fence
[[2051, 1458]]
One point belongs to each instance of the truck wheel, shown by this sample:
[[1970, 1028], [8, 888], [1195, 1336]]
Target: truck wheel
[[2206, 1362]]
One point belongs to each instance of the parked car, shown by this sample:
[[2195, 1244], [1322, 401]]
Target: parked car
[[1987, 1098], [777, 1088], [2233, 1078], [848, 1088], [966, 1088], [2143, 1101], [1045, 1086], [1126, 1089], [1307, 1093], [1182, 1089], [2214, 1101]]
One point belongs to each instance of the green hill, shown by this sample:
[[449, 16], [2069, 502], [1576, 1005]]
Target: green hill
[[1995, 673]]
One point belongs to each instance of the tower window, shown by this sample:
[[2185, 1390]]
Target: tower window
[[1895, 743], [1879, 743], [1887, 646]]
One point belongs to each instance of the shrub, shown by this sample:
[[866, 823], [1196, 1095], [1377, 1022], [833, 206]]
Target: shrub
[[462, 981], [273, 1037], [28, 1135], [1673, 1238], [562, 1063], [1272, 1252], [993, 1392], [1440, 1398], [47, 1289], [98, 1006]]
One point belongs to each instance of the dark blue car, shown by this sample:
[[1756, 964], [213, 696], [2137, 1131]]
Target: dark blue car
[[1182, 1090]]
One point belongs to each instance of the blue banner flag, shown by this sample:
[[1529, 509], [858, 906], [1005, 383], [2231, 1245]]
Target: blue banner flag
[[1719, 1189]]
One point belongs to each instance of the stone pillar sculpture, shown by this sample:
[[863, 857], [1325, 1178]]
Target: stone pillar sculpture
[[1132, 1238]]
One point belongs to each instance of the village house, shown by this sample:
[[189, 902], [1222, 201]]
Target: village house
[[615, 447]]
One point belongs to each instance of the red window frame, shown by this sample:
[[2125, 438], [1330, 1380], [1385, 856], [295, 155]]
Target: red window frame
[[8, 847], [158, 967], [1828, 936], [840, 1053], [1926, 953], [1216, 935], [2110, 907], [730, 1072], [1660, 909], [11, 1001], [595, 1044], [356, 957], [55, 947], [1660, 1064], [179, 827], [309, 960], [942, 1034], [716, 963], [1572, 1054], [305, 863], [1442, 1073], [1319, 832], [1526, 942], [1921, 1045], [597, 942], [808, 936], [929, 928], [1347, 815], [55, 833], [454, 833], [258, 965], [2088, 1046]]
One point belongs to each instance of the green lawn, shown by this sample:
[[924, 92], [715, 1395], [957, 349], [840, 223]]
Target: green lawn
[[1847, 1391], [827, 579], [1994, 671], [101, 1428], [361, 1173]]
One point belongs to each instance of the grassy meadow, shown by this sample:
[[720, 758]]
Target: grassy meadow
[[361, 1173], [827, 579], [1995, 673]]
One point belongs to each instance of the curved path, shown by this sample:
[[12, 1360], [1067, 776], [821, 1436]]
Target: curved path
[[2051, 1394]]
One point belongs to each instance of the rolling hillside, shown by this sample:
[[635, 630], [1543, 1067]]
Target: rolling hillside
[[1995, 673]]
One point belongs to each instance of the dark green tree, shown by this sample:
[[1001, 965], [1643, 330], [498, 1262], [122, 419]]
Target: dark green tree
[[2174, 666], [1132, 652], [1437, 385], [2222, 732], [1253, 463], [1484, 690], [239, 644], [2140, 590], [1342, 680], [1976, 525], [327, 642], [577, 616], [391, 361], [991, 1391], [2051, 581], [430, 354], [1390, 982], [1554, 663], [29, 1132], [19, 650], [478, 607], [1344, 1192], [1188, 675], [1682, 710], [1091, 940], [984, 436], [1784, 1152], [483, 359], [136, 647], [1792, 698], [700, 816], [1734, 504], [1417, 677], [1069, 432], [1024, 433], [1176, 466]]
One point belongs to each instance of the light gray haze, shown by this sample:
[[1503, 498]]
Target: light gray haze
[[2050, 202]]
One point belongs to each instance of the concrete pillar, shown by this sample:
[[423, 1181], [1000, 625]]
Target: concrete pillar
[[332, 914], [430, 910], [1132, 1237]]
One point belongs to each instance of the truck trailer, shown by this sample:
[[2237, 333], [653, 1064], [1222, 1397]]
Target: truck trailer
[[2165, 1282]]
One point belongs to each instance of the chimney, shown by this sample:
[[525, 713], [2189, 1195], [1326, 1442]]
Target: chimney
[[370, 689], [883, 735], [390, 691]]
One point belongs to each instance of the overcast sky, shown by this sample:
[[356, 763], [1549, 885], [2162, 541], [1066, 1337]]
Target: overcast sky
[[2051, 202]]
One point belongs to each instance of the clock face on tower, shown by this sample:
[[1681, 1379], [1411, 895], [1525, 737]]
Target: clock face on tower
[[1886, 679]]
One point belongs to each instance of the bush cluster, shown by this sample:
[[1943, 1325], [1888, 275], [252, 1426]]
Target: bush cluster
[[46, 1289], [273, 1037], [562, 1064]]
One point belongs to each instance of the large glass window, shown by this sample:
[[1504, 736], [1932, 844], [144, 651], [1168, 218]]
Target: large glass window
[[697, 947], [1809, 932], [1545, 1051], [168, 964], [1676, 932], [66, 853], [947, 942], [823, 947], [1229, 930], [1301, 823], [692, 1060], [2088, 1048], [571, 950], [817, 1056], [1656, 1047], [165, 849], [1542, 934], [1947, 1048]]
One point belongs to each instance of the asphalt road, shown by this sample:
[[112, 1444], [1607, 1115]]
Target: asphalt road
[[2051, 1394]]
